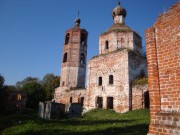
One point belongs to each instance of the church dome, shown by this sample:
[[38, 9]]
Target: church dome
[[77, 21], [118, 10]]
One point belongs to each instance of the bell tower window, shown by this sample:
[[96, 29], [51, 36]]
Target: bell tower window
[[107, 45], [82, 58], [83, 39], [65, 58], [67, 38]]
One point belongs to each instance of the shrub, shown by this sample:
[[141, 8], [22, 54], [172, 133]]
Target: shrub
[[140, 81]]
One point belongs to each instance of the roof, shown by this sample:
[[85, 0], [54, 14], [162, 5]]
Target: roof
[[119, 28]]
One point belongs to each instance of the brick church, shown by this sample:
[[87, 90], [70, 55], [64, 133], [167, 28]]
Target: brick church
[[109, 74]]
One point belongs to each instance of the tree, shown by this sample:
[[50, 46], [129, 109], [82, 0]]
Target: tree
[[34, 90], [1, 81], [20, 84], [50, 82], [3, 95], [10, 88], [35, 94]]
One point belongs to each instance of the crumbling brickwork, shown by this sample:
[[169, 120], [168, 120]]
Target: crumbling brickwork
[[67, 96], [110, 74], [119, 61], [163, 55], [73, 69], [140, 97], [118, 64]]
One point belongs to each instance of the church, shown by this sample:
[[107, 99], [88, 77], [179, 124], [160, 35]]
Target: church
[[109, 74]]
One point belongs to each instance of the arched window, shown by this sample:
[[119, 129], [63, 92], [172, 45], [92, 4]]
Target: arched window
[[63, 83], [111, 79], [18, 97], [82, 58], [70, 100], [67, 38], [83, 39], [107, 44], [65, 57], [100, 81]]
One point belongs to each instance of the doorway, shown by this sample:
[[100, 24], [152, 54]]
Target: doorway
[[99, 102], [109, 102], [146, 99]]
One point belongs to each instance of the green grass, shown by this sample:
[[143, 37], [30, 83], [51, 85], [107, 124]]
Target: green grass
[[95, 122]]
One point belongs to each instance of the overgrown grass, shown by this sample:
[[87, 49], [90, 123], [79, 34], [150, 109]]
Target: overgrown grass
[[96, 122]]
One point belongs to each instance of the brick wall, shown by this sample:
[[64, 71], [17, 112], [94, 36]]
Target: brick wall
[[140, 97], [63, 95], [163, 55]]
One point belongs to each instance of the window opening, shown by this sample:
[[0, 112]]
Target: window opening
[[82, 58], [111, 79], [100, 81], [63, 83], [65, 58], [19, 97], [70, 101], [107, 45], [81, 100], [83, 39], [67, 38]]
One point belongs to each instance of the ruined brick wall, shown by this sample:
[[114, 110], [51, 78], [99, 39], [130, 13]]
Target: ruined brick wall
[[73, 70], [110, 73], [140, 96], [116, 63], [63, 95], [163, 55], [17, 99]]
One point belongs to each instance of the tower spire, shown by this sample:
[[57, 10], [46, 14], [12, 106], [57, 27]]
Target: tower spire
[[78, 13], [78, 20], [119, 2]]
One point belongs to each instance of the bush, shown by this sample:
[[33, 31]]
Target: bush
[[140, 81]]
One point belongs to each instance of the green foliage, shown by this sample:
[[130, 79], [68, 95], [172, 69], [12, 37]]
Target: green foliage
[[35, 93], [10, 88], [3, 96], [20, 84], [34, 90], [1, 81], [95, 122], [38, 90], [140, 81], [50, 82]]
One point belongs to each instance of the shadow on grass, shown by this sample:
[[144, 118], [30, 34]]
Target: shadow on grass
[[92, 124], [13, 119], [140, 129], [84, 122]]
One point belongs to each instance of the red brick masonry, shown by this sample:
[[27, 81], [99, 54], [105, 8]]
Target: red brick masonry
[[163, 56]]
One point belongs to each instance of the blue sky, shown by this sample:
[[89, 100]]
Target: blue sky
[[32, 31]]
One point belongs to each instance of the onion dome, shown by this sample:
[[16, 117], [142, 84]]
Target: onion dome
[[77, 21], [117, 11]]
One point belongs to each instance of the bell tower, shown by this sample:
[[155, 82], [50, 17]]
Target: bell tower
[[74, 57]]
